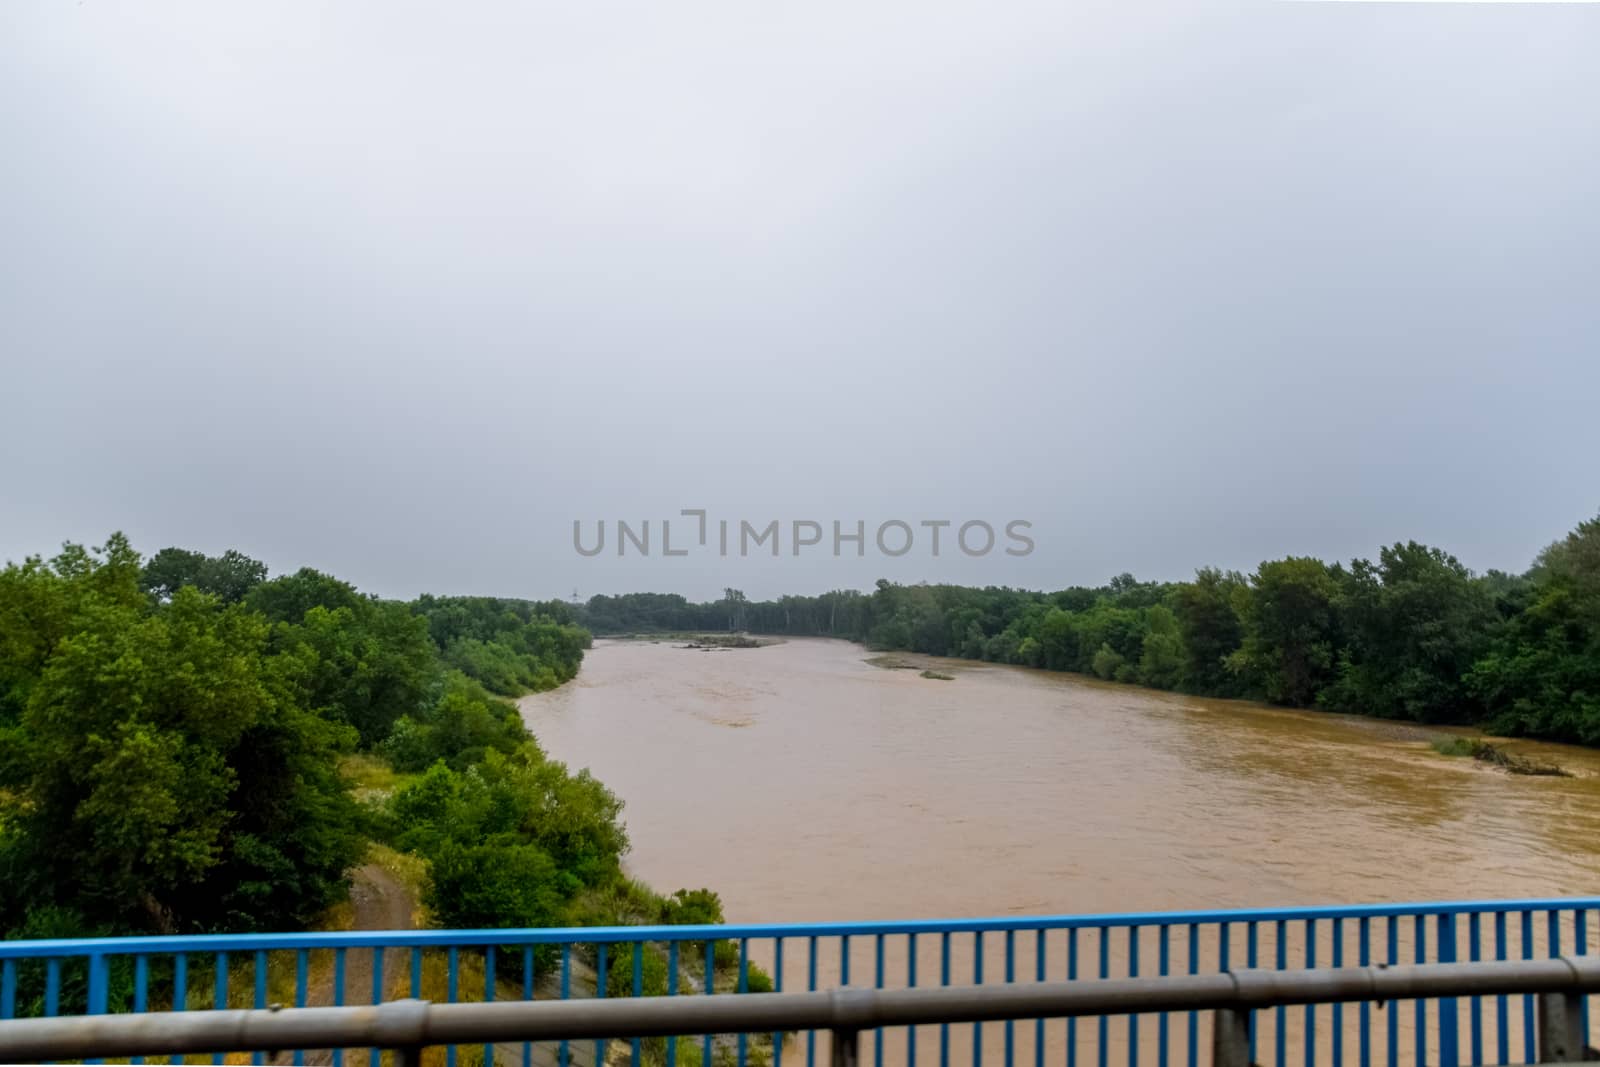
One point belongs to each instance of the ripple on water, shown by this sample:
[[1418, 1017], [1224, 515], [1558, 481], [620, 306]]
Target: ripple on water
[[867, 792]]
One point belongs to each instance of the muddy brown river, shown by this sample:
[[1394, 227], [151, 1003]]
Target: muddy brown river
[[805, 784]]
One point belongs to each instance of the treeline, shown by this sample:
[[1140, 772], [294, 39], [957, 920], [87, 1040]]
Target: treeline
[[172, 736], [1413, 635]]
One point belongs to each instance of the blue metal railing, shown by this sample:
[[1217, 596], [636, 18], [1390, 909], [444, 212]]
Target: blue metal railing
[[94, 976]]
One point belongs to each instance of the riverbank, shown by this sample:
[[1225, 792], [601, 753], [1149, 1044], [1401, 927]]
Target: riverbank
[[1412, 635], [1501, 754]]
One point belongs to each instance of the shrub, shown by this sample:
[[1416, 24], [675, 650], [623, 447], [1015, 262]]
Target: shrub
[[1107, 662], [485, 886]]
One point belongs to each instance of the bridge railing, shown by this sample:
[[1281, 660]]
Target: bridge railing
[[409, 1026], [117, 975]]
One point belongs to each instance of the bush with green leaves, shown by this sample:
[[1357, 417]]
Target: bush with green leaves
[[464, 724], [518, 801]]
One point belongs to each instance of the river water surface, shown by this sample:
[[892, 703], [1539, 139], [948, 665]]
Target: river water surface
[[803, 783]]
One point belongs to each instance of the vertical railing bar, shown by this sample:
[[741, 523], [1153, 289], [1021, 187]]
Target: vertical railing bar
[[911, 983], [1502, 1009], [452, 975], [638, 991], [527, 994], [777, 987], [711, 988], [416, 973], [1475, 1004], [8, 988], [257, 1056], [811, 987], [602, 979], [1162, 966], [261, 978], [672, 991], [180, 981], [1310, 1019], [1252, 940], [1392, 930], [1072, 976], [977, 979], [1133, 1019], [95, 1003], [564, 1048], [1528, 1044], [141, 990], [52, 988], [1224, 950], [1194, 1016], [1338, 1009], [219, 997], [1011, 976], [944, 980], [1280, 1035], [1364, 957], [1103, 1023], [1580, 940], [877, 982], [742, 986], [1419, 953], [141, 983], [300, 981], [99, 981], [1448, 1008], [379, 953], [1040, 970], [338, 996], [488, 997]]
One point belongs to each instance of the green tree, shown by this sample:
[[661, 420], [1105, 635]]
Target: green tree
[[159, 771], [1208, 623], [464, 724], [1290, 639], [289, 597], [1413, 625], [367, 664], [1541, 677], [229, 577], [1161, 663]]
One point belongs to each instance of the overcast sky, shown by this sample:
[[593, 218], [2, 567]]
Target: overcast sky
[[401, 290]]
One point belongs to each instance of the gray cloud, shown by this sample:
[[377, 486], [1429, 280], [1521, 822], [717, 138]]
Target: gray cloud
[[401, 290]]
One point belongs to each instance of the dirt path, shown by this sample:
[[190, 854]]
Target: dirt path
[[380, 902]]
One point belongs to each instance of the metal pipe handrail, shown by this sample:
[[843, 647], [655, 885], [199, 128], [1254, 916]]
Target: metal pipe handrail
[[411, 1024]]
